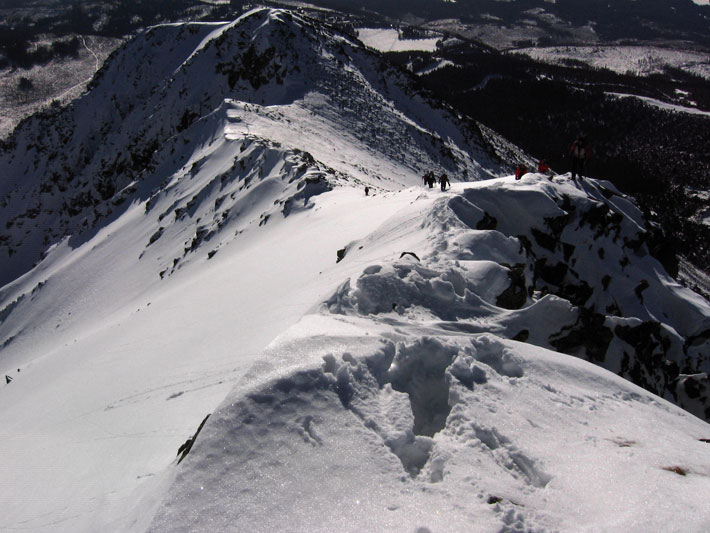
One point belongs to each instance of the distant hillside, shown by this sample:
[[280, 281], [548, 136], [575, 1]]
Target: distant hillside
[[232, 222], [552, 22], [658, 153]]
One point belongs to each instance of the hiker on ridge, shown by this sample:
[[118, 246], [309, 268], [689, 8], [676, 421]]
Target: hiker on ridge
[[444, 181], [429, 179], [580, 153], [520, 171], [543, 167]]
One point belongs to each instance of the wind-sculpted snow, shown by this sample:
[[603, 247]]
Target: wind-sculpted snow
[[425, 382], [564, 268], [217, 202], [175, 88], [224, 190], [419, 376], [346, 445], [150, 249]]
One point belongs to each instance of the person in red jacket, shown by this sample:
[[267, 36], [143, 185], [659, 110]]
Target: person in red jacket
[[520, 171], [543, 167], [580, 153]]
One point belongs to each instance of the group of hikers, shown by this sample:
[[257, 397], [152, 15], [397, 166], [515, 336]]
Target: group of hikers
[[430, 179], [579, 153]]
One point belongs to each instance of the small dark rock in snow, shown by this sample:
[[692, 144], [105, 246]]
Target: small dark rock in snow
[[515, 296], [488, 222], [640, 288], [341, 255], [522, 336], [187, 446], [409, 253], [676, 470]]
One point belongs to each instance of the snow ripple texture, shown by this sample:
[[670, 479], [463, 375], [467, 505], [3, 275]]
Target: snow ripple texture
[[442, 379], [404, 404]]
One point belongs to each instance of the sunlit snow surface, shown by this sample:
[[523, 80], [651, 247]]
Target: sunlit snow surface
[[640, 60], [367, 415], [380, 392], [533, 440], [387, 40], [663, 105], [126, 335]]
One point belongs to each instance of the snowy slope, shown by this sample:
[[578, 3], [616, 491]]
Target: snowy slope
[[197, 219], [174, 89], [118, 367], [401, 403], [168, 233], [388, 40], [532, 441], [663, 105], [641, 60]]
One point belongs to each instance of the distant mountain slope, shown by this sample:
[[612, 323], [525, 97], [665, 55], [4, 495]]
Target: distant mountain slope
[[505, 22], [170, 91], [208, 196]]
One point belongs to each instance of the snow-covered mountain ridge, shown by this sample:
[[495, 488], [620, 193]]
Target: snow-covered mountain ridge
[[410, 399], [170, 92], [420, 381], [614, 304]]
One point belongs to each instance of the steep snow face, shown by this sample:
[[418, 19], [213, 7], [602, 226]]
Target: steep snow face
[[572, 264], [402, 403], [175, 88], [174, 218], [199, 216]]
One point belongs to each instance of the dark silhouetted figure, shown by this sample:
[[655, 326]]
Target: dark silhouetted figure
[[579, 153], [444, 181]]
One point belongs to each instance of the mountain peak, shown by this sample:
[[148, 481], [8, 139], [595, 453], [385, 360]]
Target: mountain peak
[[239, 207], [177, 88]]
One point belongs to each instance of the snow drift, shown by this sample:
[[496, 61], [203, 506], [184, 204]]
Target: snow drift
[[183, 241], [402, 403], [175, 90]]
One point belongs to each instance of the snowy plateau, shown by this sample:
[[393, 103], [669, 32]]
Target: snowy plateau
[[640, 60], [193, 237]]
